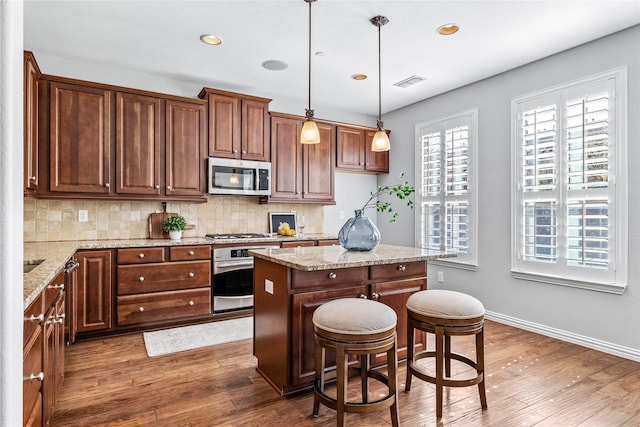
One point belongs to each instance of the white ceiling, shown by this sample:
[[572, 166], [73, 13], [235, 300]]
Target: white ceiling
[[162, 38]]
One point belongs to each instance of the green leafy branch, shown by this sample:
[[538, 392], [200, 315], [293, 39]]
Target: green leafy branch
[[402, 191]]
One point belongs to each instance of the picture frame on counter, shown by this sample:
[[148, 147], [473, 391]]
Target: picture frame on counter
[[276, 218]]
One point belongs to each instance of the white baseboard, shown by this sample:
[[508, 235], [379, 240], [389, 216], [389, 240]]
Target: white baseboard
[[606, 347]]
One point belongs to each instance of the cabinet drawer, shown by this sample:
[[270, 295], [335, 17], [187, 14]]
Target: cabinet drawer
[[32, 318], [140, 255], [32, 365], [329, 242], [138, 279], [189, 253], [338, 276], [159, 306], [297, 244], [398, 270]]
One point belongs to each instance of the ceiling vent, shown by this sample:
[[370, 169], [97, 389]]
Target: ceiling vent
[[409, 81]]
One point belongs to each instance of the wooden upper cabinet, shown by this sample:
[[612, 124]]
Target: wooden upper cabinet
[[350, 148], [185, 148], [79, 138], [319, 165], [137, 144], [239, 126], [286, 158], [31, 75], [375, 161]]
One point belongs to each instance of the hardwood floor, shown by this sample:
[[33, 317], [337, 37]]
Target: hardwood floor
[[531, 380]]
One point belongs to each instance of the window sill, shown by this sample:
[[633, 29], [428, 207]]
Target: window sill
[[591, 286], [453, 264]]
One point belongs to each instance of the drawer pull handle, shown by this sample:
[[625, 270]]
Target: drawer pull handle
[[332, 275], [60, 286], [38, 377], [141, 278], [375, 296], [60, 321], [402, 267], [191, 274], [140, 255], [141, 309], [191, 253], [191, 302], [362, 296], [32, 318]]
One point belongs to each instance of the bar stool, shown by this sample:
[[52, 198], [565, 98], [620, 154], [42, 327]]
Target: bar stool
[[354, 326], [445, 314]]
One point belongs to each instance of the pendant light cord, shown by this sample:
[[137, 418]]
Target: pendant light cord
[[309, 93], [379, 82]]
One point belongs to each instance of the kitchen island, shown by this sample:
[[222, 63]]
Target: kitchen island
[[289, 284]]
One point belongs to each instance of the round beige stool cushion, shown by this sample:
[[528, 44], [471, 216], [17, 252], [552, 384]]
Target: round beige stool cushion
[[445, 304], [354, 316]]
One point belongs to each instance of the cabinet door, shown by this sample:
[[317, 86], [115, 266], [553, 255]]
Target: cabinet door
[[59, 344], [137, 144], [350, 151], [48, 364], [224, 126], [93, 300], [319, 165], [32, 383], [255, 131], [80, 138], [31, 74], [185, 139], [302, 338], [376, 161], [286, 158], [395, 295]]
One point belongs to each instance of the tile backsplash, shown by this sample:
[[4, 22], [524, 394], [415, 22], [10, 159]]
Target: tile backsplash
[[55, 220]]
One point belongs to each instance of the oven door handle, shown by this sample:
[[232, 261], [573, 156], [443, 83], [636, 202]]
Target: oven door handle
[[230, 266]]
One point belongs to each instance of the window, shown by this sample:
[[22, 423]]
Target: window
[[446, 191], [569, 221]]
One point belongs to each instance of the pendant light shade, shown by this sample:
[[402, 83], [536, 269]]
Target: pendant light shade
[[380, 139], [310, 133]]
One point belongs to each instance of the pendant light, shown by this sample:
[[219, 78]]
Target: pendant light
[[310, 133], [380, 140]]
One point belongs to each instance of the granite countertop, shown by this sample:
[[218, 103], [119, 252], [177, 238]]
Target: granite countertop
[[314, 258], [51, 256]]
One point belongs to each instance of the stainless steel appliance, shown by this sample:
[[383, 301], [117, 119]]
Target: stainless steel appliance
[[240, 177], [233, 277]]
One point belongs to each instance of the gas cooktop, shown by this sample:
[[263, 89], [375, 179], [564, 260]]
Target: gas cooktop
[[229, 236]]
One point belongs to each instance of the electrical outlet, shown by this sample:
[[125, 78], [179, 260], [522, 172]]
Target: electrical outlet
[[268, 286], [83, 215], [440, 276], [341, 214]]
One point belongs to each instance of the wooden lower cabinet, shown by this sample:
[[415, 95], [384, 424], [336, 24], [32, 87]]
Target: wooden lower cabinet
[[32, 374], [163, 306], [92, 303], [285, 300]]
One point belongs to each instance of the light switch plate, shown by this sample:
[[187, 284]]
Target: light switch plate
[[83, 215]]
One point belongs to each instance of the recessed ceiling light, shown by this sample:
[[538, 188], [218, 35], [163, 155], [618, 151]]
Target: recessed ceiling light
[[274, 65], [359, 76], [211, 39], [448, 29], [409, 81]]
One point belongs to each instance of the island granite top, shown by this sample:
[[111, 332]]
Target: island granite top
[[314, 258]]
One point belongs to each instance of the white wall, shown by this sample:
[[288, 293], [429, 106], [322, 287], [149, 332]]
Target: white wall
[[604, 321], [11, 296]]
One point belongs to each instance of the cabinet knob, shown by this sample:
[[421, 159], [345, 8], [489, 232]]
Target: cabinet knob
[[141, 278], [363, 296], [157, 186], [140, 255], [32, 318], [402, 267], [191, 253], [235, 151], [32, 178], [107, 185], [38, 377], [332, 275], [244, 151], [60, 286], [60, 320], [191, 274], [375, 296], [141, 309], [191, 302], [168, 187]]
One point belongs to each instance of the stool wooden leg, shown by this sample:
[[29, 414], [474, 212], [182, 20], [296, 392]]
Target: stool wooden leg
[[480, 367], [319, 377], [439, 369], [364, 377], [410, 352], [447, 356], [341, 383], [392, 368]]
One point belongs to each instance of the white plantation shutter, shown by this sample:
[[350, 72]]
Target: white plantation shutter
[[445, 154], [567, 218]]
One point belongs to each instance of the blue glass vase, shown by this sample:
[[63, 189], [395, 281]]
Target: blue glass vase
[[359, 233]]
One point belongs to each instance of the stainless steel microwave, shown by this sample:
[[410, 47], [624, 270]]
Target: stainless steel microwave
[[240, 177]]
